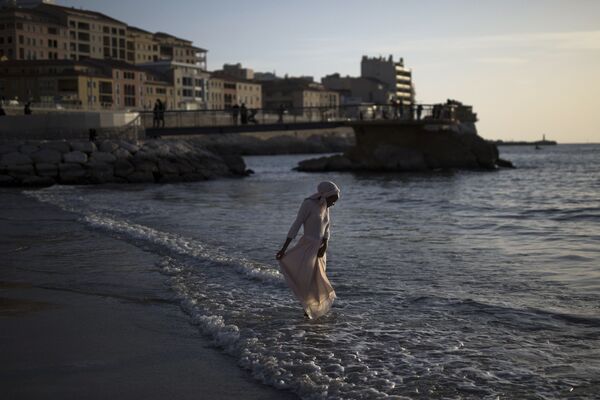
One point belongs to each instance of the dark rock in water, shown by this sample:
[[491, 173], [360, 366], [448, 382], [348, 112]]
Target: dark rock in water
[[410, 146], [504, 163]]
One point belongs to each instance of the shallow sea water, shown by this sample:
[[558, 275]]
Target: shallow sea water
[[450, 285]]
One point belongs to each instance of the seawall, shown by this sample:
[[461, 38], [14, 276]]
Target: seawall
[[44, 163]]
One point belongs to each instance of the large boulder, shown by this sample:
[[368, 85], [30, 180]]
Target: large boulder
[[108, 146], [6, 148], [84, 146], [71, 173], [101, 156], [28, 148], [37, 181], [15, 158], [121, 153], [20, 171], [100, 172], [123, 168], [130, 147], [141, 177], [46, 169], [6, 180], [58, 145], [46, 156], [75, 157]]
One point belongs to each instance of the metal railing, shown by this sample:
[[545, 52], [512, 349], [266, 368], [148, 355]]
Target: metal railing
[[262, 116]]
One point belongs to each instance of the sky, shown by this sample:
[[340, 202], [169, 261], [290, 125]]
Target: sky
[[527, 67]]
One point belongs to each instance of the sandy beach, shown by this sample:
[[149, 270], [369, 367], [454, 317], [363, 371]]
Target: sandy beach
[[80, 321]]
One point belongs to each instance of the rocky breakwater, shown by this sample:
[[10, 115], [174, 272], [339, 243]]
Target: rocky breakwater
[[393, 145], [44, 163]]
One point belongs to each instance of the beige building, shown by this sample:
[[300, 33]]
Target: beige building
[[141, 46], [216, 93], [239, 91], [298, 93], [31, 35], [393, 74], [190, 82], [88, 84], [180, 50], [48, 31], [91, 34], [358, 90]]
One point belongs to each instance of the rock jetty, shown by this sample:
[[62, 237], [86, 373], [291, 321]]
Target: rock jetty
[[44, 163], [411, 146]]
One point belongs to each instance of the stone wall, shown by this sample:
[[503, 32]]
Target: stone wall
[[43, 163]]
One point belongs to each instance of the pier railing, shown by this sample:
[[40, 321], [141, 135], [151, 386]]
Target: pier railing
[[262, 116]]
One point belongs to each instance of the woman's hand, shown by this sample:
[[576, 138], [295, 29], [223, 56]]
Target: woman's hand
[[280, 254]]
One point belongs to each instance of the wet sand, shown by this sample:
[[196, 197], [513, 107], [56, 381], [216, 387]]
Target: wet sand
[[84, 315]]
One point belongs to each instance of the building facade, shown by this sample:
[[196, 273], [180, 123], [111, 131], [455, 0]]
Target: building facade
[[394, 75], [48, 31], [298, 93], [238, 91], [30, 35], [358, 90], [87, 84], [190, 82]]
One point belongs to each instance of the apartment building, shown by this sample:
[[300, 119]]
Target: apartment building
[[88, 84], [141, 46], [48, 31], [216, 94], [392, 73], [32, 35], [239, 91], [298, 93], [190, 82], [358, 90], [180, 50], [91, 34], [158, 87]]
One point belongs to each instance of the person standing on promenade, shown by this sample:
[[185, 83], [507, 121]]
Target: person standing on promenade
[[27, 109], [280, 113], [304, 265], [2, 112], [235, 112], [419, 111], [156, 114], [244, 114]]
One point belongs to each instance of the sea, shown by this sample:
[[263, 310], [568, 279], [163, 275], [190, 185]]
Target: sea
[[450, 284]]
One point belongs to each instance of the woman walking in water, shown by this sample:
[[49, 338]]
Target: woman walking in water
[[304, 265]]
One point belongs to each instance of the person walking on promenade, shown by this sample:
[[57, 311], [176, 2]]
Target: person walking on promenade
[[280, 113], [2, 112], [235, 112], [244, 114], [396, 106], [303, 267], [27, 109]]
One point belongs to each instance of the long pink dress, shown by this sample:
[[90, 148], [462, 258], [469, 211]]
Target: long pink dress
[[303, 270]]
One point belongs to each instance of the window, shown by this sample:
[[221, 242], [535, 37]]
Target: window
[[128, 75], [122, 32], [105, 29], [188, 82], [21, 39], [83, 26], [20, 25], [52, 31], [84, 48], [188, 93]]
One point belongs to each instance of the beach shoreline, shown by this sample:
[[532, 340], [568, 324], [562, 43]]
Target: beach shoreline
[[77, 321]]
